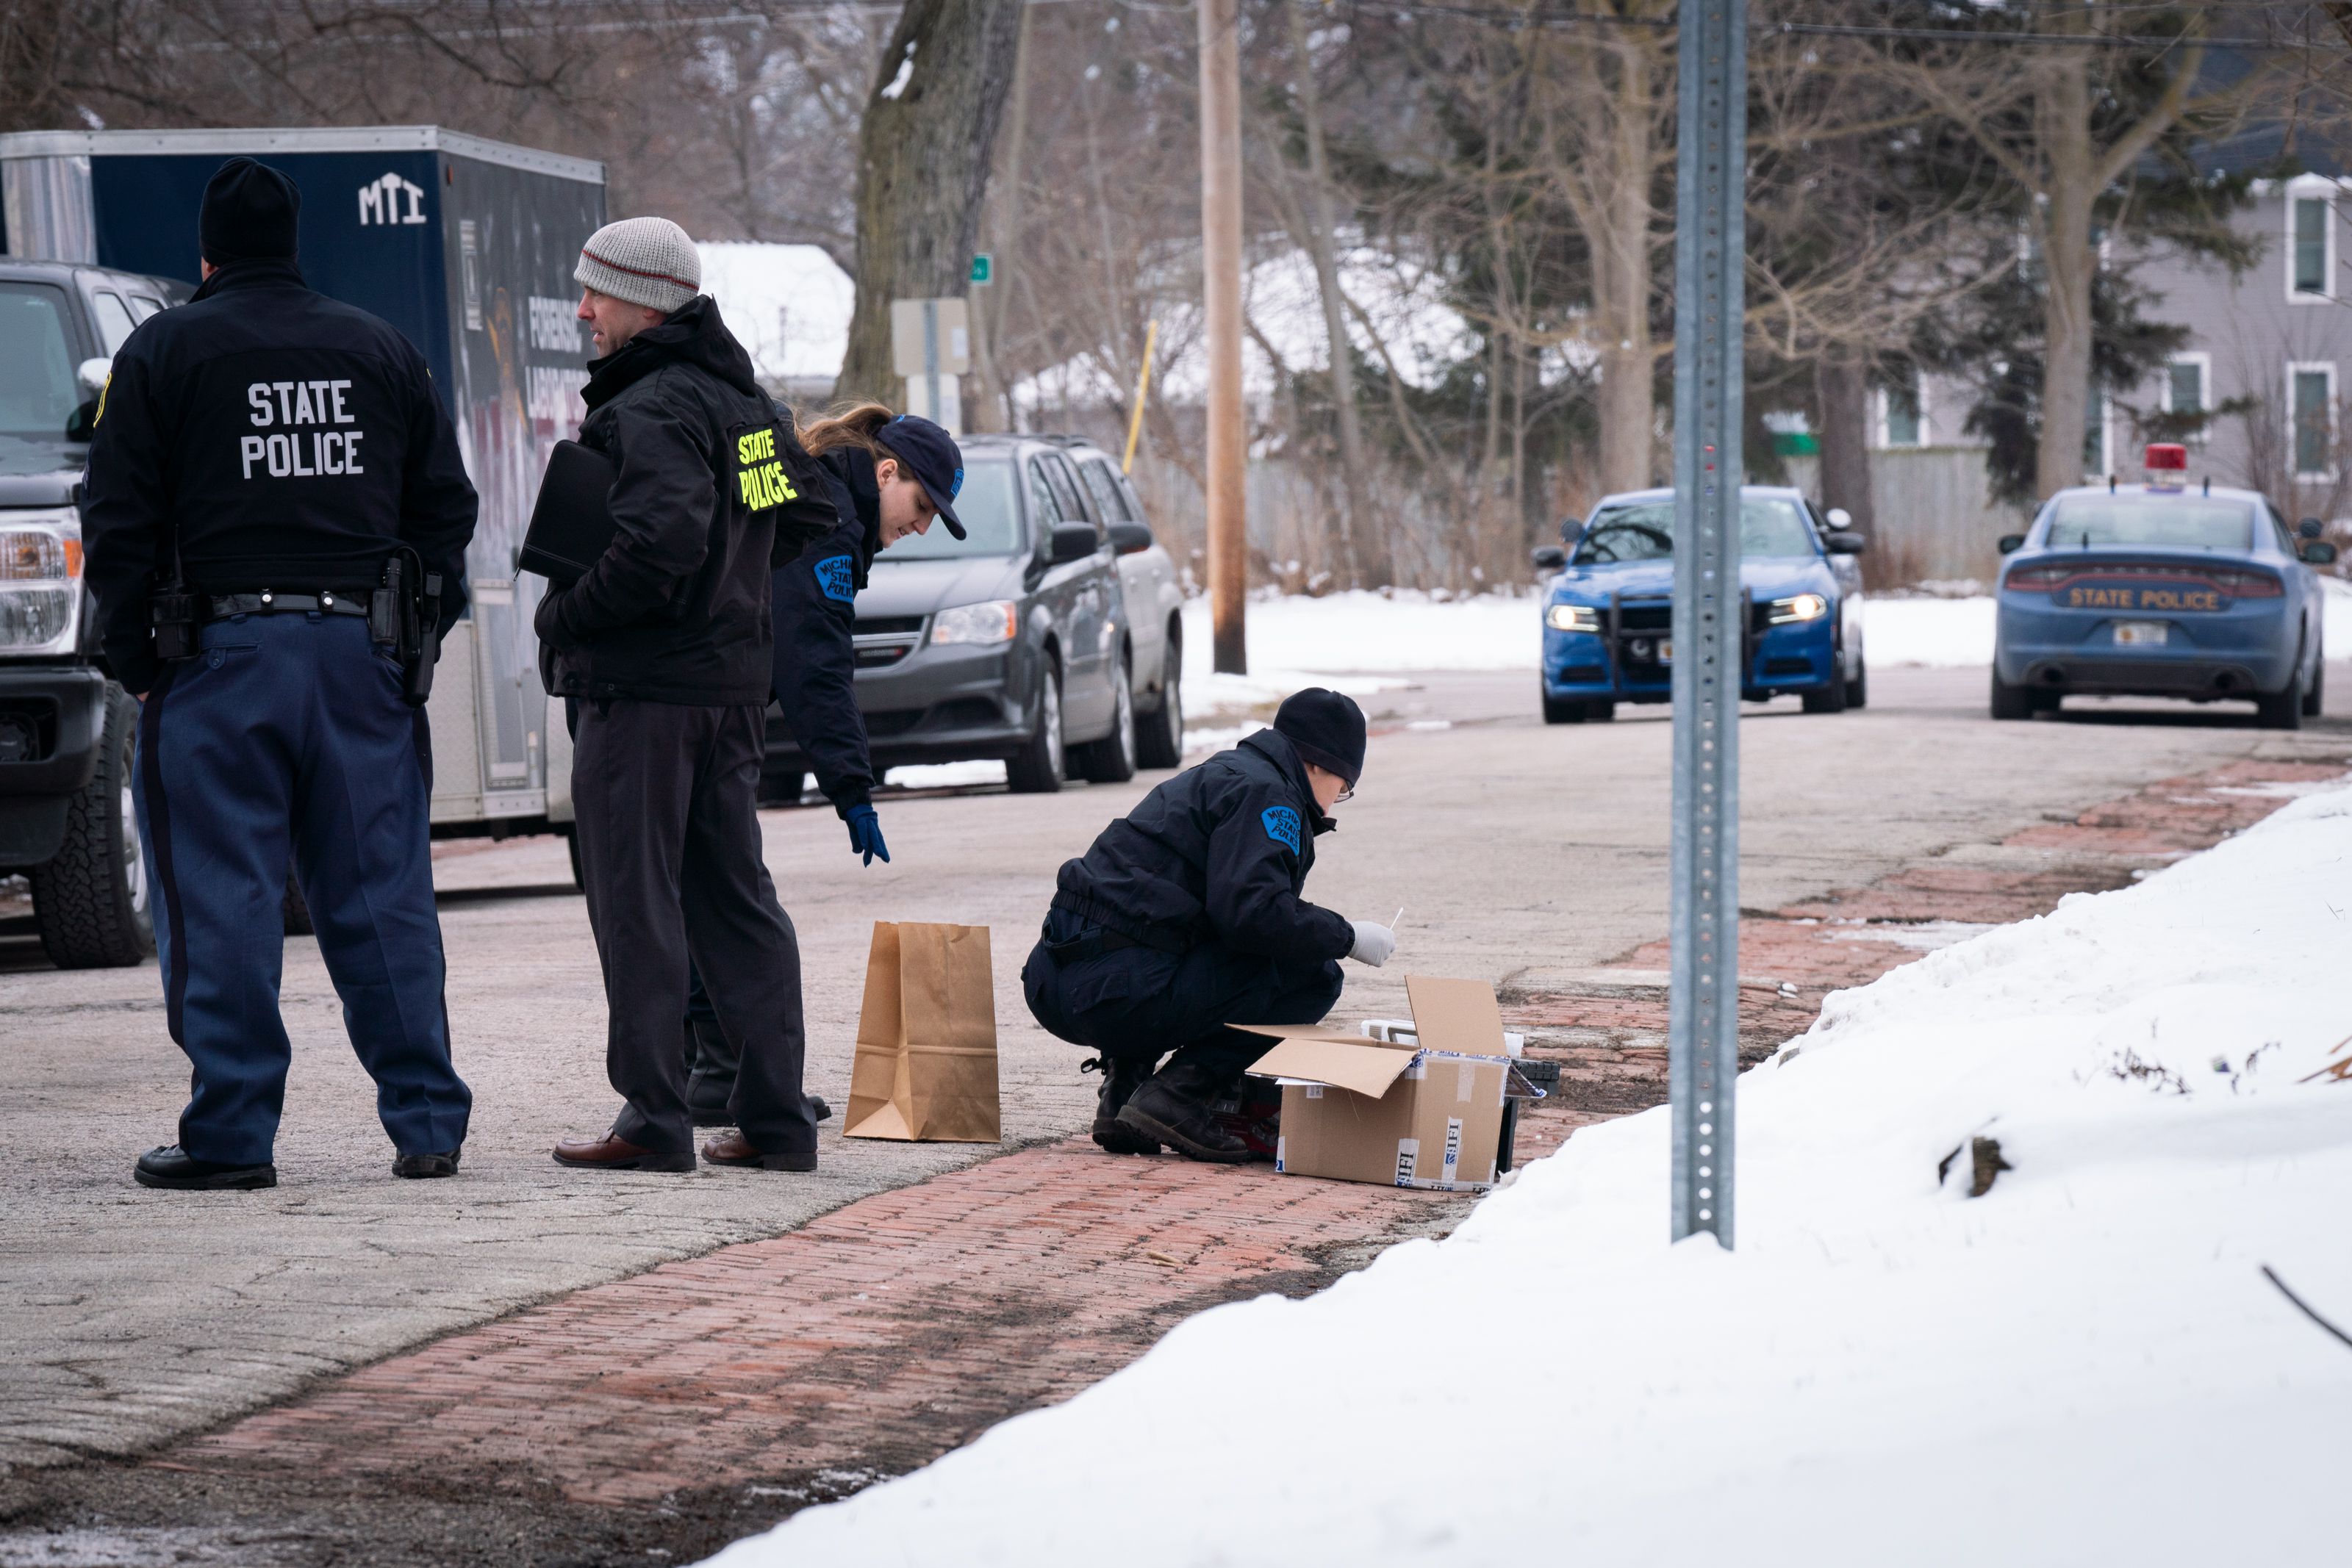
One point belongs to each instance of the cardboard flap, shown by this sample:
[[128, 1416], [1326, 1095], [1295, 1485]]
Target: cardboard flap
[[1458, 1015], [1319, 1055]]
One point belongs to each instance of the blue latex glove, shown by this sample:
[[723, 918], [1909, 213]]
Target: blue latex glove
[[866, 833]]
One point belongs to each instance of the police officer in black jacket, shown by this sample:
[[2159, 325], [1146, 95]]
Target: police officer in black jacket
[[880, 472], [665, 645], [267, 462], [1186, 917]]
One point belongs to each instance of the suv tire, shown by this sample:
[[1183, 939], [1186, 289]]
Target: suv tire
[[1560, 710], [1111, 760], [1036, 767], [2314, 698], [91, 901], [1159, 741], [1857, 690]]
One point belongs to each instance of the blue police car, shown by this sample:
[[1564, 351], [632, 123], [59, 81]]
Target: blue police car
[[1609, 615], [2160, 590]]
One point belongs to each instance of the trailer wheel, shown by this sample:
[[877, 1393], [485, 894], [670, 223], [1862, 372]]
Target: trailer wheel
[[91, 901]]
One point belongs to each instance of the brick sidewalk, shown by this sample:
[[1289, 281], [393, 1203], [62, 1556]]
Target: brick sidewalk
[[873, 1340]]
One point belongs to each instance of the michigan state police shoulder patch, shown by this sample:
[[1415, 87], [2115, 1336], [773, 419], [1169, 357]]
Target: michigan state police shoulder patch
[[1281, 826], [835, 578]]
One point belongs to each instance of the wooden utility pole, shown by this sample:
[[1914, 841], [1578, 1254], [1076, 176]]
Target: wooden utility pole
[[1221, 289]]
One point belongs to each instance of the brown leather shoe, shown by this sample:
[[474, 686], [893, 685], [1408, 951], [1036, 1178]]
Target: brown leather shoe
[[735, 1149], [612, 1154]]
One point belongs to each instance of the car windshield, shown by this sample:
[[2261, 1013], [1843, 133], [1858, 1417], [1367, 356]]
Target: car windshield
[[1768, 525], [989, 514], [2183, 522], [38, 394]]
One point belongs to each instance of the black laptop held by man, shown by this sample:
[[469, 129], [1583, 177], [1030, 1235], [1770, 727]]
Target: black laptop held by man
[[571, 523]]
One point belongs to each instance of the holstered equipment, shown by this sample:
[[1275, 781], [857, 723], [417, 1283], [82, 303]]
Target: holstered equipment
[[405, 614]]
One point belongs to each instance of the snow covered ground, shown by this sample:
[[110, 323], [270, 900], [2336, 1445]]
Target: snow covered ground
[[2085, 1365]]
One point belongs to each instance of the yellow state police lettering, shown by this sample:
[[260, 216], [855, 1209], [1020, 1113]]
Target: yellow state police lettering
[[761, 475]]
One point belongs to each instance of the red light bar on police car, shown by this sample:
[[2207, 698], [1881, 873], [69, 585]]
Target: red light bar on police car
[[2167, 456]]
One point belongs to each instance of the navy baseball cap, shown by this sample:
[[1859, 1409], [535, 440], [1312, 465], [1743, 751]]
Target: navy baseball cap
[[933, 458]]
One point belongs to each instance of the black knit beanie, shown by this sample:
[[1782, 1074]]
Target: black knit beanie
[[248, 215], [1325, 729]]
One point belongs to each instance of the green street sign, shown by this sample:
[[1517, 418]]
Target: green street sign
[[983, 269]]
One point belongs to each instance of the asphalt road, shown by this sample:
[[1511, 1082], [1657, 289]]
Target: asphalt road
[[1518, 852]]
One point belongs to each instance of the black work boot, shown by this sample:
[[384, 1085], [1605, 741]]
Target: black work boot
[[1121, 1081], [174, 1168], [1176, 1107]]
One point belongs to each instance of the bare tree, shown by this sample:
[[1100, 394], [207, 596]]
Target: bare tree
[[924, 158]]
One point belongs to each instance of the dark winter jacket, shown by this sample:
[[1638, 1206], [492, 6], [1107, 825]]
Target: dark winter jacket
[[816, 619], [710, 490], [288, 440], [1218, 854]]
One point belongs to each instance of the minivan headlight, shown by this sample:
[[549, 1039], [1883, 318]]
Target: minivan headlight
[[40, 583], [1802, 607], [994, 621], [1572, 618]]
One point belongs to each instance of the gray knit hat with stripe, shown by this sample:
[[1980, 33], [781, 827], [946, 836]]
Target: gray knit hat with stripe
[[647, 261]]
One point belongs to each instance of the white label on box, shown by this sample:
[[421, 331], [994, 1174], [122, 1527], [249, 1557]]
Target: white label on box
[[1280, 1149], [1467, 1084], [1453, 1146], [1407, 1155], [1315, 1092]]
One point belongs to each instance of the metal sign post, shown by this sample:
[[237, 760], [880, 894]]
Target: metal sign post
[[1710, 308]]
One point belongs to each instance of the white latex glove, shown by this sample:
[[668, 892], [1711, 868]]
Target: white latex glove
[[1374, 943]]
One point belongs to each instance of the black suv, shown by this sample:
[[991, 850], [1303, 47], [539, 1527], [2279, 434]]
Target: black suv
[[66, 726], [1011, 643]]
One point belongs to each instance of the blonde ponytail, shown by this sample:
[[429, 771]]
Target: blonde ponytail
[[850, 424]]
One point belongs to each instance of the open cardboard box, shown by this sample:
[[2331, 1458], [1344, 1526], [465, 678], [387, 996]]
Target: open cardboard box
[[1426, 1115]]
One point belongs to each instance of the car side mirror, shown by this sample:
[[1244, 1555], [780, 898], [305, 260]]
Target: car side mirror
[[1840, 518], [1072, 541], [1550, 558], [2311, 528], [2010, 543], [2317, 552], [1130, 538], [1845, 541]]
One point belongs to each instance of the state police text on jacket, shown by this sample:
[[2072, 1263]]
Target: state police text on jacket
[[288, 440], [1218, 854]]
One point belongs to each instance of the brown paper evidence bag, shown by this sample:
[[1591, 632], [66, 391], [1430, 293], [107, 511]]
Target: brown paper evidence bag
[[926, 1064]]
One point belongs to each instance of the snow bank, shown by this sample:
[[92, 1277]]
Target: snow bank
[[2083, 1365]]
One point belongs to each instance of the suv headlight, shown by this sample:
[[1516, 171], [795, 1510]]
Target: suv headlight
[[1572, 618], [41, 581], [994, 621], [1803, 607]]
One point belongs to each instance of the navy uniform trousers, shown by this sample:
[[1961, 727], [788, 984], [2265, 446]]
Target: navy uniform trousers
[[286, 736], [1137, 1004]]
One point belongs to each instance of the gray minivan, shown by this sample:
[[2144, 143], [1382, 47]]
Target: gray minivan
[[1011, 642]]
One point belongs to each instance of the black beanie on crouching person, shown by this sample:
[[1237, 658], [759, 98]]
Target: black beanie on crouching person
[[248, 215], [1324, 728]]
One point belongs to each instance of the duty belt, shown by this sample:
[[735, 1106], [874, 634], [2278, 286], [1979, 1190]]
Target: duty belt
[[268, 601]]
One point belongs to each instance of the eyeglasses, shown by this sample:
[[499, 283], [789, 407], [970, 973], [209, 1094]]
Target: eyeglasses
[[1346, 793]]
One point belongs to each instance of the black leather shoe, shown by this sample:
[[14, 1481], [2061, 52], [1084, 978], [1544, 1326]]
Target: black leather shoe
[[417, 1166], [1121, 1081], [1174, 1105], [173, 1167]]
